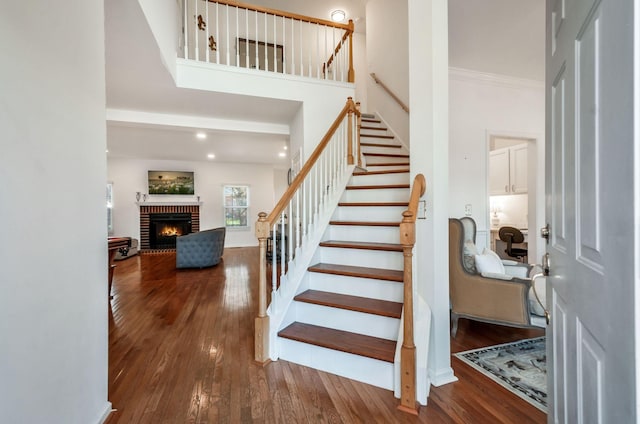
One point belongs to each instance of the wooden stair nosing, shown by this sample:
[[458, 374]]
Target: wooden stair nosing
[[343, 341], [390, 146], [366, 223], [371, 120], [388, 137], [363, 245], [377, 187], [365, 305], [384, 155], [364, 127], [385, 171], [389, 164], [359, 272], [369, 204]]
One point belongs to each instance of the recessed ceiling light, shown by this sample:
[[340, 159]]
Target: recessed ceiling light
[[107, 150], [282, 154], [211, 156], [201, 135], [285, 147], [338, 15]]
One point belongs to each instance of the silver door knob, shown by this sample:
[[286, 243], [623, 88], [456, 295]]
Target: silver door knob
[[544, 232]]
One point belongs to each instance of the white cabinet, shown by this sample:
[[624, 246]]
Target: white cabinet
[[508, 170]]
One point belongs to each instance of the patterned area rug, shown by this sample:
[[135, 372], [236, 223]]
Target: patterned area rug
[[520, 367]]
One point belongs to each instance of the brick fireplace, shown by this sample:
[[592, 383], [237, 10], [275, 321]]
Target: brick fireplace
[[169, 211]]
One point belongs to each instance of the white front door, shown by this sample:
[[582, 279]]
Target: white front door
[[590, 210]]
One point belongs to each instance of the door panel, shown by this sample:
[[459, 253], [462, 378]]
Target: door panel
[[590, 208]]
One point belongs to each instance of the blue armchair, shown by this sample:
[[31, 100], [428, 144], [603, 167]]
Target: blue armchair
[[200, 250]]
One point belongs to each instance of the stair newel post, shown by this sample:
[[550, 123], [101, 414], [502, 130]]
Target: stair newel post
[[351, 75], [350, 160], [262, 320], [408, 350], [358, 127]]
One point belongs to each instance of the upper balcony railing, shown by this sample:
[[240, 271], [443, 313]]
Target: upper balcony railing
[[252, 37]]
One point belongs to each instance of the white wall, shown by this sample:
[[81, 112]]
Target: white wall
[[361, 70], [53, 261], [321, 100], [481, 105], [388, 57], [130, 175], [164, 20]]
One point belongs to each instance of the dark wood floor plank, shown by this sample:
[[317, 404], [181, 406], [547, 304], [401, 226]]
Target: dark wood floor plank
[[181, 351]]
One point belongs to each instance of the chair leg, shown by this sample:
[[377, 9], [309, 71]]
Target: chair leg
[[454, 324]]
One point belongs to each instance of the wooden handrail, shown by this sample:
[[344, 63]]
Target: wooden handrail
[[297, 181], [391, 93], [408, 350], [283, 14]]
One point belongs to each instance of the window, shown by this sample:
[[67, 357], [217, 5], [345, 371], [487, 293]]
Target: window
[[236, 205], [110, 208]]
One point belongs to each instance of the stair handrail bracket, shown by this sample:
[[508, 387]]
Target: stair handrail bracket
[[290, 233], [408, 350], [242, 35]]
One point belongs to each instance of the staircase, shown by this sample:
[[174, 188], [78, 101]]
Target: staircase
[[345, 319]]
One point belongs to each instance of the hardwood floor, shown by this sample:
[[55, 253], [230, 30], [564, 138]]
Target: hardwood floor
[[181, 351]]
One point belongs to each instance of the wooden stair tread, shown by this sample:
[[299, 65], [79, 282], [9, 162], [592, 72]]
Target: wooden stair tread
[[367, 204], [376, 187], [388, 137], [372, 120], [366, 223], [352, 303], [384, 155], [344, 341], [359, 271], [391, 146], [389, 164], [389, 247], [385, 171], [365, 127]]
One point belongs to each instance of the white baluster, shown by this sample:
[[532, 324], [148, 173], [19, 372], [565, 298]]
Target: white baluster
[[228, 36], [246, 37], [206, 31], [274, 263], [275, 44], [283, 253], [293, 47], [266, 53], [301, 59], [284, 45], [217, 32], [185, 30], [257, 44], [195, 32], [237, 32]]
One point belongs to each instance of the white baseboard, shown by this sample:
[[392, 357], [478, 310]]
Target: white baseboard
[[108, 409], [442, 376]]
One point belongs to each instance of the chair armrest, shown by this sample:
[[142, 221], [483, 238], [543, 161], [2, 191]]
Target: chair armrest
[[492, 299], [519, 270]]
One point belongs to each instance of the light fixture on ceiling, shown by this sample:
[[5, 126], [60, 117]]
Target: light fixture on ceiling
[[282, 154], [211, 156], [338, 15], [201, 136]]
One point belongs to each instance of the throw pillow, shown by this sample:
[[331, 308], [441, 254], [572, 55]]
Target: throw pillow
[[541, 288], [469, 251], [489, 262]]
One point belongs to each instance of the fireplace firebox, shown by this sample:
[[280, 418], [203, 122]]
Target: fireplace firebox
[[165, 227]]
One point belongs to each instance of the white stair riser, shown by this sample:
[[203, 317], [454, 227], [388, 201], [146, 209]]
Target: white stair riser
[[372, 160], [370, 234], [354, 286], [376, 195], [370, 213], [377, 179], [383, 149], [361, 257], [351, 321], [371, 167], [367, 370]]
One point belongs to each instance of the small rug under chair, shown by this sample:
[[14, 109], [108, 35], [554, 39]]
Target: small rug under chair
[[521, 367]]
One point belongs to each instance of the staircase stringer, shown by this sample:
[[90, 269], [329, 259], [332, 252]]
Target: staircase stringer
[[297, 268]]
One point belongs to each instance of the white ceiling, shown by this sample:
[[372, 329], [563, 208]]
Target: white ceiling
[[491, 36]]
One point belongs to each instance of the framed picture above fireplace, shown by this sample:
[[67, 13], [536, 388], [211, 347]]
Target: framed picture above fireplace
[[171, 182]]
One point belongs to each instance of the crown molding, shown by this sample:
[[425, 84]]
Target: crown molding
[[468, 75]]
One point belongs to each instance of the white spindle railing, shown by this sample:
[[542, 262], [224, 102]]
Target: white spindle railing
[[284, 233], [248, 36]]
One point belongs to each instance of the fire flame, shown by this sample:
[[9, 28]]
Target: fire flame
[[170, 231]]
